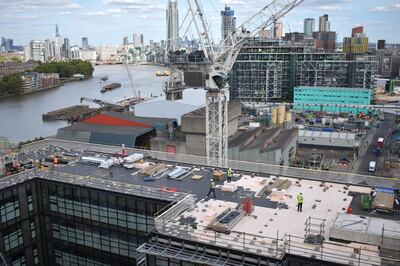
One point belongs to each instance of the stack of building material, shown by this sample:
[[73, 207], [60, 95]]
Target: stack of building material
[[279, 184], [226, 221], [218, 175], [383, 202], [153, 169], [228, 187]]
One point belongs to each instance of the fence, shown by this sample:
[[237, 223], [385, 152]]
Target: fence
[[327, 176]]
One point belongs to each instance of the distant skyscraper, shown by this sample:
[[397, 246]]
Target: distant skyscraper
[[66, 49], [309, 26], [136, 40], [48, 51], [27, 53], [7, 43], [85, 43], [57, 31], [58, 44], [172, 25], [357, 43], [324, 24], [36, 49], [125, 41], [228, 22], [142, 39]]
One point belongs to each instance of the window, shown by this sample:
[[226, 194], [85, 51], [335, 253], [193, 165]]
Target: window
[[13, 240], [9, 211], [33, 232]]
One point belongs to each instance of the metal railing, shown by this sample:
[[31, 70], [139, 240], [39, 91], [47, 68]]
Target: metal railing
[[262, 168], [94, 182]]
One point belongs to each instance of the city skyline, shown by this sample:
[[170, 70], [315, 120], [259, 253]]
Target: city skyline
[[118, 18]]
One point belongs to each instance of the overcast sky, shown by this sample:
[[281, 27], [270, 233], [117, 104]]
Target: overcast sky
[[108, 21]]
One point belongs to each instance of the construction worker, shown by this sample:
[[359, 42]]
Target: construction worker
[[300, 202], [212, 189], [229, 175]]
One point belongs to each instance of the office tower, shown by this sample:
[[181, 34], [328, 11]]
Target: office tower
[[309, 26], [125, 41], [85, 43], [27, 53], [66, 50], [324, 24], [228, 22], [357, 43], [136, 40], [7, 43], [47, 50], [172, 25], [142, 39], [381, 44], [58, 44], [37, 50]]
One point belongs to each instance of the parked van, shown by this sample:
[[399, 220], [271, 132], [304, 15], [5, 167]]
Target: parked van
[[372, 167]]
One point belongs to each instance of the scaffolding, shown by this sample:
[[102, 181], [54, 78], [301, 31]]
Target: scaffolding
[[268, 70]]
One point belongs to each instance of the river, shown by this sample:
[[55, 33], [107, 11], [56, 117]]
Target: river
[[21, 117]]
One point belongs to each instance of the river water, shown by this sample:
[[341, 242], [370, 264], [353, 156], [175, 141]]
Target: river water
[[21, 117]]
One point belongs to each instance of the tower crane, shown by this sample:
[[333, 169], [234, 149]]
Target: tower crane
[[216, 63]]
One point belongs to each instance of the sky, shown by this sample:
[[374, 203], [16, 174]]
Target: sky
[[108, 21]]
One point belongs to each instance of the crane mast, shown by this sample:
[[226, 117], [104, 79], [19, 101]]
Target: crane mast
[[215, 66]]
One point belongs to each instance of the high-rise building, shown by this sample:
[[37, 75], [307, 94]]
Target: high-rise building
[[125, 41], [172, 25], [66, 49], [357, 43], [85, 43], [309, 26], [228, 22], [36, 48], [324, 24], [47, 50], [381, 44], [58, 44], [142, 40], [27, 53], [136, 40], [7, 43], [325, 40]]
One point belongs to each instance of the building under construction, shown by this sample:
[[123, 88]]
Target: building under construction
[[268, 70]]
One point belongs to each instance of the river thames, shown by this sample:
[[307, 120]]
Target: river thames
[[21, 117]]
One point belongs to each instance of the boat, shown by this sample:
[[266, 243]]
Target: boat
[[110, 87]]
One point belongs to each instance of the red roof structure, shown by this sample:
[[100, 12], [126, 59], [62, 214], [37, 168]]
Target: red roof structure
[[107, 120]]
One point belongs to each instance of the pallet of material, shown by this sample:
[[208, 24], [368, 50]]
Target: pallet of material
[[153, 169], [383, 202], [218, 175]]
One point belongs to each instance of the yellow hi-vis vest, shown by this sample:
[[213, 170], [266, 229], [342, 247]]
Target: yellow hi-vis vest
[[229, 172], [299, 198]]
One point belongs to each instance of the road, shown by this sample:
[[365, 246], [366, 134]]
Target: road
[[366, 152]]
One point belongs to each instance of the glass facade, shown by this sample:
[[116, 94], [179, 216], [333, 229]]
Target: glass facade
[[332, 96], [46, 223]]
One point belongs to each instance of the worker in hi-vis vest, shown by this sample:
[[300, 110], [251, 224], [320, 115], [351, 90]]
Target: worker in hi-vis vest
[[229, 174], [212, 189], [300, 202]]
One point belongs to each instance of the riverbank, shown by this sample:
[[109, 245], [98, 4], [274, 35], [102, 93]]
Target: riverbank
[[6, 97], [21, 117]]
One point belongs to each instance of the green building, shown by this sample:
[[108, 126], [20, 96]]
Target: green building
[[332, 96]]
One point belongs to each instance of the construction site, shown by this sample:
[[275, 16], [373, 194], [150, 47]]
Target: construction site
[[269, 70], [254, 219]]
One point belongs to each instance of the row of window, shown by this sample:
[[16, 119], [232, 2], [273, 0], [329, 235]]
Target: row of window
[[102, 214], [102, 240], [67, 259], [9, 211]]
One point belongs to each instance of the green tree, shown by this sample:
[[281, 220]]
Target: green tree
[[11, 84], [67, 69]]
